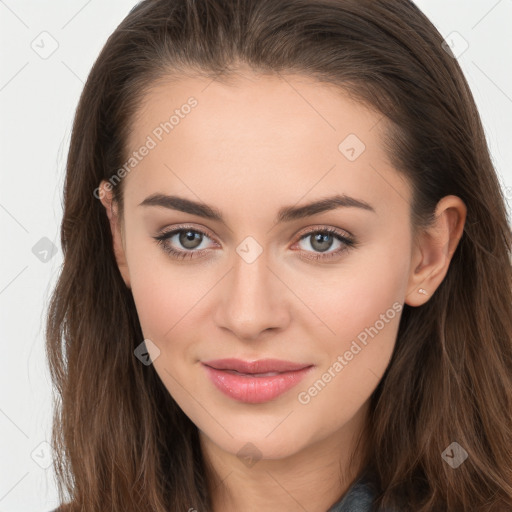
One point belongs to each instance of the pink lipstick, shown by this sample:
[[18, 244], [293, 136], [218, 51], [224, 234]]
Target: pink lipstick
[[255, 382]]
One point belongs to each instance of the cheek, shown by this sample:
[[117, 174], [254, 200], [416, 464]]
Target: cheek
[[165, 292], [365, 330], [367, 291], [166, 298], [362, 305], [365, 319]]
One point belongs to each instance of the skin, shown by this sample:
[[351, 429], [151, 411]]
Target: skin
[[248, 149]]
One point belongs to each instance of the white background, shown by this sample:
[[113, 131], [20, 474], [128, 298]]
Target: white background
[[37, 102]]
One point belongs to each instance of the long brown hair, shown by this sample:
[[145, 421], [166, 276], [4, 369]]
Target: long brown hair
[[121, 442]]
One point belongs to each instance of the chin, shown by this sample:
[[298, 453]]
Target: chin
[[258, 444]]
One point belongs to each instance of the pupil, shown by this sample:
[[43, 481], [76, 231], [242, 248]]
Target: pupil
[[322, 239], [190, 239]]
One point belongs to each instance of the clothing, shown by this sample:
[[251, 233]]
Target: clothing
[[358, 498]]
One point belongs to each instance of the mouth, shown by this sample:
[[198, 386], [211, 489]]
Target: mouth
[[255, 381]]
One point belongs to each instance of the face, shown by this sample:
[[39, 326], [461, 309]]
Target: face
[[256, 274]]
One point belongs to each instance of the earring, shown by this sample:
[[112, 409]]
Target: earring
[[424, 292]]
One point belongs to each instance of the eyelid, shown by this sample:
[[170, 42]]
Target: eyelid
[[322, 227], [311, 229], [183, 227], [343, 236]]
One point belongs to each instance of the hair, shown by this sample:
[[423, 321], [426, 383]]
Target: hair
[[121, 442]]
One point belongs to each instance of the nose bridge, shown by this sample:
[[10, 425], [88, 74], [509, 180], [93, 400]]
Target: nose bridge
[[251, 272], [253, 301]]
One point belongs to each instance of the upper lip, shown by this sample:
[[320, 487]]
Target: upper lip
[[258, 366]]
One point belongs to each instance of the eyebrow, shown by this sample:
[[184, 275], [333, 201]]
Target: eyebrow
[[285, 214]]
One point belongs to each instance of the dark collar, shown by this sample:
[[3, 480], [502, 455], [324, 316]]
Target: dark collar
[[359, 497]]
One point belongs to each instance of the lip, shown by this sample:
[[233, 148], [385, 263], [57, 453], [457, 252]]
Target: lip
[[250, 382]]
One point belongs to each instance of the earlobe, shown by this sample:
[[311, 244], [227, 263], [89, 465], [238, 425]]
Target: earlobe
[[434, 249], [105, 196]]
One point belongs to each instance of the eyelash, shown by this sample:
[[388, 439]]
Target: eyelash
[[162, 238]]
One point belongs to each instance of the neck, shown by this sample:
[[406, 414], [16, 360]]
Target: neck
[[312, 478]]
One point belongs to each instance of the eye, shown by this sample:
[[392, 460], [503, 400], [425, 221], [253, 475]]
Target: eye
[[188, 238], [323, 239]]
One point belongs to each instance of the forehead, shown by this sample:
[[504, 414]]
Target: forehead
[[289, 107], [270, 135]]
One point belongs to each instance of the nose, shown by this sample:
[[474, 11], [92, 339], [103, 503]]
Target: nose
[[253, 300]]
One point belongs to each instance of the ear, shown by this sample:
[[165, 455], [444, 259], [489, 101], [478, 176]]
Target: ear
[[433, 250], [105, 196]]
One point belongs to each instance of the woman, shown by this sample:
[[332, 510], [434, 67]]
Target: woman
[[287, 277]]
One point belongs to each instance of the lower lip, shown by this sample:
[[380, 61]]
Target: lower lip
[[254, 390]]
